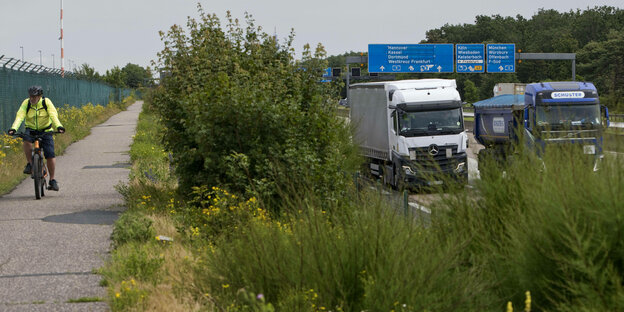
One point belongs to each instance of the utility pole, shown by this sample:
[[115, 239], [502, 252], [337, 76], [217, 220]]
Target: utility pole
[[62, 44], [40, 59], [21, 47], [53, 67]]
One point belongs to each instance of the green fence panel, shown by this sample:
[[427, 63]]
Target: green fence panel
[[14, 86]]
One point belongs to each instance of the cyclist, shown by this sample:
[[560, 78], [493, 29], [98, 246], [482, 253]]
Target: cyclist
[[40, 117]]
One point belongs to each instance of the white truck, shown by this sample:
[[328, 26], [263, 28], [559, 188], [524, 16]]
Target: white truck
[[411, 131]]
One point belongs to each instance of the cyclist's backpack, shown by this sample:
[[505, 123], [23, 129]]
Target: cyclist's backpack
[[43, 103]]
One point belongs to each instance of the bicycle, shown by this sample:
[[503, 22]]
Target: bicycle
[[39, 169]]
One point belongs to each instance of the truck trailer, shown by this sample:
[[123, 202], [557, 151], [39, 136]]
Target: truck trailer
[[566, 112], [411, 132]]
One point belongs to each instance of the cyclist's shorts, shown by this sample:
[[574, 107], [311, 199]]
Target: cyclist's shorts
[[47, 144]]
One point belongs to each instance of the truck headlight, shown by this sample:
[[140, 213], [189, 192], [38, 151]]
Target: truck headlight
[[461, 167], [408, 170]]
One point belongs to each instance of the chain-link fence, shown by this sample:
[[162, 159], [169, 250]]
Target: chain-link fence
[[16, 77]]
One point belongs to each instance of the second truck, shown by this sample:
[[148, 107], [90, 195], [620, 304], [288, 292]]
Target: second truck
[[548, 113], [411, 131]]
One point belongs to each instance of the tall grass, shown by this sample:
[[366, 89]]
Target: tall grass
[[551, 225], [359, 255], [145, 273], [151, 172]]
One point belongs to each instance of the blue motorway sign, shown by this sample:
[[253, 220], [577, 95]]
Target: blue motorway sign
[[410, 58], [327, 72], [469, 58], [501, 58]]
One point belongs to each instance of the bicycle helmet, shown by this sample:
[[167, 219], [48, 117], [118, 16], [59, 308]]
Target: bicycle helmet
[[35, 90]]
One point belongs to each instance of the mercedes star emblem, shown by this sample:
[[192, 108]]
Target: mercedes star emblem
[[433, 150]]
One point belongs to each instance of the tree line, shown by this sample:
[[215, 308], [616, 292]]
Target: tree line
[[130, 76]]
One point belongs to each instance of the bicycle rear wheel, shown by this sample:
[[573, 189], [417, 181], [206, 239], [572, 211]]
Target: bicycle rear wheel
[[37, 175]]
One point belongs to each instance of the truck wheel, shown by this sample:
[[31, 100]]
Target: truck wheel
[[383, 175], [399, 181]]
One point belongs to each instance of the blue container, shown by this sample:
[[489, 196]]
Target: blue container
[[492, 117]]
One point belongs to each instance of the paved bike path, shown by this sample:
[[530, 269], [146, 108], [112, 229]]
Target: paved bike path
[[50, 247]]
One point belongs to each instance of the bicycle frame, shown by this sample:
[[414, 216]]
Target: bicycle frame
[[42, 164], [39, 171]]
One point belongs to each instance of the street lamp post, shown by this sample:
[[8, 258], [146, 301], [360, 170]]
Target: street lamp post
[[53, 67], [40, 59], [21, 47]]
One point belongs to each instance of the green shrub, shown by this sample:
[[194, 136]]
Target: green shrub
[[133, 260], [240, 113], [127, 297], [213, 212], [132, 226]]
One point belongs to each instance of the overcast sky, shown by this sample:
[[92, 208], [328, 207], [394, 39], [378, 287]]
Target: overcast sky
[[111, 33]]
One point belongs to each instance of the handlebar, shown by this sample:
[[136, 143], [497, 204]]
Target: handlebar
[[25, 135]]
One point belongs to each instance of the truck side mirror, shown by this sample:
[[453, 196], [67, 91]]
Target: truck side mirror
[[605, 112]]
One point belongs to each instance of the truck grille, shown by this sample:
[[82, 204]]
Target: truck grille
[[428, 160]]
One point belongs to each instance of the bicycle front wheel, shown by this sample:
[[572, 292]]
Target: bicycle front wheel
[[37, 174], [43, 182]]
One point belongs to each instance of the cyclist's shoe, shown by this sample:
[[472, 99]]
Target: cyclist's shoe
[[28, 168], [53, 186]]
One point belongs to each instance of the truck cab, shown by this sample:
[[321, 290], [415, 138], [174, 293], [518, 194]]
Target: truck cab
[[564, 112], [428, 136]]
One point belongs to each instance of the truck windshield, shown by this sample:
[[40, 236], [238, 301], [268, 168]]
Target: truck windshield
[[448, 121], [568, 116]]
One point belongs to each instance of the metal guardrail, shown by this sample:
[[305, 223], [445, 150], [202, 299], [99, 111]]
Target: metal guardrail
[[342, 112], [617, 117]]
